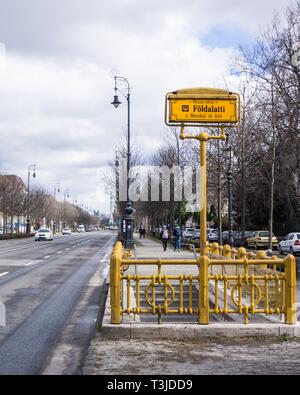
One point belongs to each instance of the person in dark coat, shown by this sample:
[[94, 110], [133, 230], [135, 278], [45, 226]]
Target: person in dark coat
[[164, 237]]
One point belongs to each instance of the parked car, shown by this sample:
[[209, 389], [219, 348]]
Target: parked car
[[66, 231], [189, 233], [238, 238], [225, 237], [212, 235], [44, 234], [260, 239], [197, 232], [290, 244]]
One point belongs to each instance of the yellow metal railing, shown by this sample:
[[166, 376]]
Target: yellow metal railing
[[249, 284]]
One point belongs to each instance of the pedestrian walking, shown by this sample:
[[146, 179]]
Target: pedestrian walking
[[141, 231], [177, 238], [164, 237]]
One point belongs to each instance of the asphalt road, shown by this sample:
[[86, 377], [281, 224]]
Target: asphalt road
[[41, 284]]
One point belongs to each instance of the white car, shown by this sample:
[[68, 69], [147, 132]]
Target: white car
[[44, 234], [81, 229], [197, 232], [290, 244], [66, 231], [212, 235], [189, 233]]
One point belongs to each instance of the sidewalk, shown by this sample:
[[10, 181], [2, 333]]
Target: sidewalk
[[148, 248]]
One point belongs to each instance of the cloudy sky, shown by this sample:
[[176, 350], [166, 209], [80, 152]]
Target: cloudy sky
[[56, 61]]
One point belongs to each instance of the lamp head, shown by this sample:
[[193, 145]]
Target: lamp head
[[116, 103]]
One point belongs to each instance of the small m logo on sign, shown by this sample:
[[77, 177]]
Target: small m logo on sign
[[185, 108]]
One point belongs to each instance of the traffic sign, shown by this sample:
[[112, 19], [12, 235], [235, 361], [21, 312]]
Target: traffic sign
[[202, 106]]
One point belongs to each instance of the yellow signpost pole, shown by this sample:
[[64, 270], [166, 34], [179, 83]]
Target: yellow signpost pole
[[202, 107], [203, 199]]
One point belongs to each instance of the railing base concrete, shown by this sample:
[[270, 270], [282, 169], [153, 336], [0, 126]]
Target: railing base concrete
[[130, 329]]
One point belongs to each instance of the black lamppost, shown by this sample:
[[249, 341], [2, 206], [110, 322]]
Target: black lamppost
[[31, 168], [66, 196], [56, 189], [127, 227], [228, 155]]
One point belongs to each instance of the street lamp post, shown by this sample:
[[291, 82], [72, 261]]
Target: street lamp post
[[31, 168], [129, 211], [66, 195], [228, 156], [56, 189]]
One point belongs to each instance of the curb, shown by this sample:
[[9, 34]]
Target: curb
[[130, 329]]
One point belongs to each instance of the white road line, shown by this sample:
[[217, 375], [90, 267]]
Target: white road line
[[59, 252], [32, 263], [67, 249], [4, 274], [48, 256], [105, 272]]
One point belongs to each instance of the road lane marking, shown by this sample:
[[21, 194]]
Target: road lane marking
[[48, 256], [4, 274], [67, 249], [59, 252], [32, 263]]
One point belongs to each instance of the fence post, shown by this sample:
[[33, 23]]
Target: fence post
[[115, 284], [203, 263], [290, 290], [227, 251]]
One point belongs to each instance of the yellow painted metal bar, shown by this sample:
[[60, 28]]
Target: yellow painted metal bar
[[203, 202], [225, 294], [153, 294], [128, 295], [181, 295], [217, 294], [166, 294], [267, 294], [138, 294], [240, 284], [283, 288], [191, 262], [203, 291], [252, 308], [290, 293], [277, 305], [190, 294], [115, 286]]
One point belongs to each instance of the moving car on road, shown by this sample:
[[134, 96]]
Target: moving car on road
[[66, 231], [44, 234], [290, 244], [81, 229], [260, 239]]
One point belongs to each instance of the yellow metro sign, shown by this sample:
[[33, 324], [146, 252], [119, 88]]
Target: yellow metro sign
[[202, 106]]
